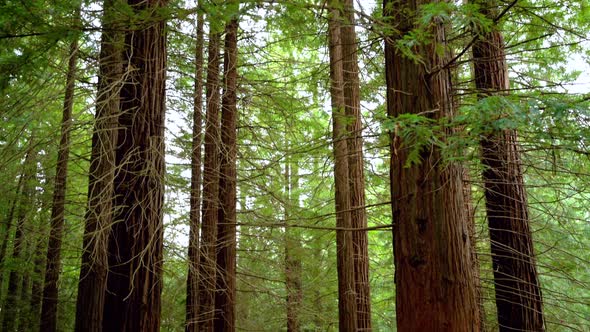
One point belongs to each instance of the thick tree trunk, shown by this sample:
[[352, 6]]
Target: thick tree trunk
[[192, 284], [99, 214], [356, 166], [53, 263], [11, 302], [225, 295], [207, 254], [347, 307], [518, 294], [432, 250], [135, 247]]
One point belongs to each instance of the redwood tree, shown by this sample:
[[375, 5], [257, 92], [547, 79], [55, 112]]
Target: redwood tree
[[347, 312], [432, 251], [356, 165], [207, 254], [53, 264], [99, 215], [225, 295], [135, 246], [518, 294], [192, 285]]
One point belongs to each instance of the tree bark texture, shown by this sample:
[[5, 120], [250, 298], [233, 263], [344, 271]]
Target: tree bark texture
[[347, 306], [225, 293], [192, 284], [518, 295], [433, 270], [99, 214], [48, 318], [134, 281], [356, 166], [207, 254]]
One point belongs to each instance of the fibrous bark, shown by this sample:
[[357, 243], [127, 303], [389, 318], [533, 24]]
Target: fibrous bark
[[433, 271], [134, 281], [192, 284], [225, 293], [347, 312], [207, 254], [99, 214], [518, 295], [356, 166]]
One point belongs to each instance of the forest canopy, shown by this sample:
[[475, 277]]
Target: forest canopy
[[298, 165]]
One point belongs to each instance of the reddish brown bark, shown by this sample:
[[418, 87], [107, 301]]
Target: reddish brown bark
[[356, 166], [135, 247], [207, 254], [225, 295], [432, 250], [99, 214], [48, 316], [347, 312], [192, 285], [518, 295]]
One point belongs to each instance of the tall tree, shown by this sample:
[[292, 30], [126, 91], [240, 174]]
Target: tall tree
[[518, 295], [48, 318], [192, 285], [210, 208], [433, 271], [356, 165], [11, 301], [134, 281], [225, 295], [293, 263], [99, 214], [347, 312]]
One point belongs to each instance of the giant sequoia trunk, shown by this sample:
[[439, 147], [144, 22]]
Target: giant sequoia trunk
[[433, 271], [356, 167], [135, 247], [207, 254], [225, 294], [99, 215], [52, 270], [518, 295], [192, 285], [347, 307]]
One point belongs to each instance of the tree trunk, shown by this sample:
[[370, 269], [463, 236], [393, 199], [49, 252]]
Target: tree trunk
[[225, 295], [7, 225], [99, 214], [356, 166], [37, 282], [11, 302], [134, 282], [192, 284], [293, 264], [53, 263], [432, 250], [518, 294], [347, 312], [207, 254]]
